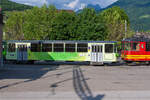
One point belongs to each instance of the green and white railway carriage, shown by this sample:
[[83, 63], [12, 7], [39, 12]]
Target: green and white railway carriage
[[96, 52]]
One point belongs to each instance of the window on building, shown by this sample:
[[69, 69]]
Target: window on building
[[136, 46], [11, 47], [147, 46], [82, 47], [47, 47], [58, 47], [35, 47], [70, 47], [108, 48]]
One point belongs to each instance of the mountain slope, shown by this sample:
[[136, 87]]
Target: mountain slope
[[9, 6], [138, 12]]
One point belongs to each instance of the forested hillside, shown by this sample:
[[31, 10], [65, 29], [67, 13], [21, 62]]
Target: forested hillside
[[138, 12], [9, 6]]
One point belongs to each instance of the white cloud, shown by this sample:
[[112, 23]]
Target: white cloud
[[82, 6], [73, 4]]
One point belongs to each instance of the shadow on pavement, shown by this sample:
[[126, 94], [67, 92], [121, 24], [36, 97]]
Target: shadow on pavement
[[57, 84], [30, 73], [81, 86], [62, 63]]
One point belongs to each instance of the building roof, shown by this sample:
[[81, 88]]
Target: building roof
[[69, 11]]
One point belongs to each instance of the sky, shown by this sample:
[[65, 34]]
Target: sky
[[67, 4]]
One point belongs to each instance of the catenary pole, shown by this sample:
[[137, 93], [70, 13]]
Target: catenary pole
[[125, 29], [1, 35]]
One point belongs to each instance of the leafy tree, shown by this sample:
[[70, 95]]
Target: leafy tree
[[47, 23], [115, 19], [14, 26], [90, 26], [63, 26], [38, 23]]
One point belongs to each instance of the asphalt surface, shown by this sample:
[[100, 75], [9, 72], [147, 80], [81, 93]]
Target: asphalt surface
[[74, 82]]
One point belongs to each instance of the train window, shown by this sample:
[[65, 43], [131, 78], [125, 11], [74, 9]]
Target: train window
[[97, 48], [136, 46], [35, 47], [115, 48], [47, 47], [82, 47], [22, 47], [3, 48], [147, 46], [127, 46], [108, 48], [70, 47], [11, 47], [58, 47]]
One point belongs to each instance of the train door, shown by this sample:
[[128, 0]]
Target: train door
[[22, 52], [97, 53]]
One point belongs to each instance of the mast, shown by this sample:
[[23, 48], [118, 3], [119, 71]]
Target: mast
[[1, 35]]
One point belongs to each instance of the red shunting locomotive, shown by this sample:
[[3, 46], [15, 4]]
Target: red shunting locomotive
[[135, 49]]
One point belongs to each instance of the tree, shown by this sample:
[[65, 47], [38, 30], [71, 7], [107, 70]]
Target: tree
[[14, 26], [63, 26], [38, 23], [115, 20], [90, 26]]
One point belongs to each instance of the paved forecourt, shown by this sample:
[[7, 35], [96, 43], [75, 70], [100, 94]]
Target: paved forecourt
[[74, 82]]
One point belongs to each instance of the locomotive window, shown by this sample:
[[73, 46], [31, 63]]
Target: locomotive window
[[58, 47], [11, 47], [122, 45], [35, 47], [136, 47], [82, 47], [70, 48], [147, 46], [127, 46], [108, 48], [47, 47]]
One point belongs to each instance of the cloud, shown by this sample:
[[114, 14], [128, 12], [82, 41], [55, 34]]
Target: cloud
[[82, 6], [67, 4], [73, 4]]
